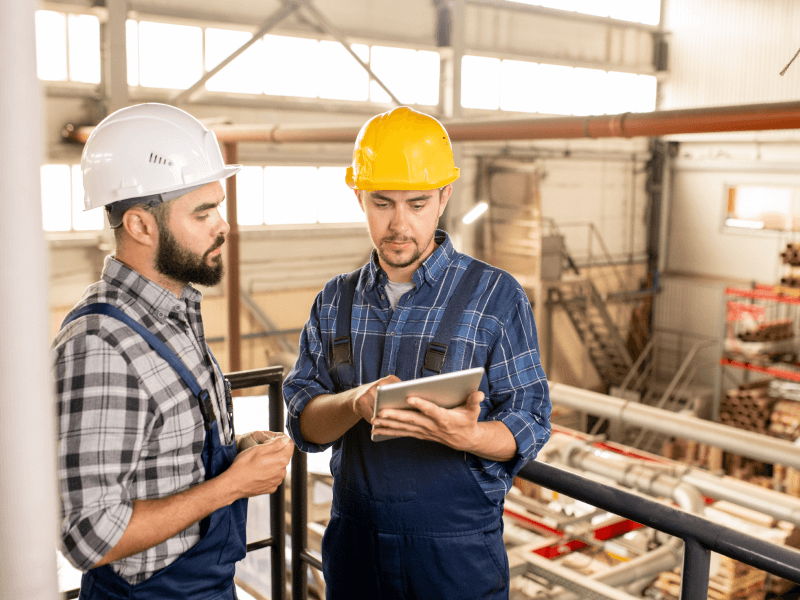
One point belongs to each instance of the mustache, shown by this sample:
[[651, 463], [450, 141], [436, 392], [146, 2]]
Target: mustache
[[217, 243], [398, 240]]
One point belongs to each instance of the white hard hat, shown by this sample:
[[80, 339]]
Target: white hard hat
[[146, 150]]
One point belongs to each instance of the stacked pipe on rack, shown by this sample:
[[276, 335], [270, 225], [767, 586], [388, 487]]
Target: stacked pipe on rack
[[791, 256], [769, 332], [748, 407]]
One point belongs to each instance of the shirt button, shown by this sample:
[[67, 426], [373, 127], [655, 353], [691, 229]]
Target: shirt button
[[392, 334], [383, 297]]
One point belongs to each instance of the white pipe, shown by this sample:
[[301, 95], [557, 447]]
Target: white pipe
[[737, 441], [781, 506], [28, 513], [692, 480], [572, 580]]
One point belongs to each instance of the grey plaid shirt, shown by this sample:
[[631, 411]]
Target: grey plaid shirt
[[129, 427]]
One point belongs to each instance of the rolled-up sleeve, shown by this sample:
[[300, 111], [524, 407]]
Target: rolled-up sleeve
[[101, 414], [519, 395], [308, 379]]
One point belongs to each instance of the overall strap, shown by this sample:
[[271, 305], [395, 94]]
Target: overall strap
[[102, 308], [436, 354], [342, 347]]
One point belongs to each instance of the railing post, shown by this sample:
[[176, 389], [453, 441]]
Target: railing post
[[696, 566], [299, 525], [277, 502]]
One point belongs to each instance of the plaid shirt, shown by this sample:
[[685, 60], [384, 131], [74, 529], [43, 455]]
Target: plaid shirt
[[129, 427], [499, 335]]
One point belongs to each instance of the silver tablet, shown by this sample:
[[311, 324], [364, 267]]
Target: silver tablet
[[447, 390]]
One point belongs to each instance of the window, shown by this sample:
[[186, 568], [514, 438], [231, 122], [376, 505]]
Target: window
[[636, 11], [170, 56], [288, 195], [522, 86], [763, 207], [67, 47], [293, 195], [62, 201], [242, 74], [175, 56], [412, 75]]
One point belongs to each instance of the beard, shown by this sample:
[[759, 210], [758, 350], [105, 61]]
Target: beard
[[182, 265], [386, 258]]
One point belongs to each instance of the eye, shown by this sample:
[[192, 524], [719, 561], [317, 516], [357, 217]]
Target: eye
[[417, 206]]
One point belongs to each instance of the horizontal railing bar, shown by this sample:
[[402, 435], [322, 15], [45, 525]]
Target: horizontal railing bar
[[255, 377], [773, 558], [311, 560], [265, 543]]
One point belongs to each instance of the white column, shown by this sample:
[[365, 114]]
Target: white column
[[115, 57], [28, 504]]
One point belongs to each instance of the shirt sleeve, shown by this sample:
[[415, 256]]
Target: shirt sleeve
[[308, 378], [518, 390], [102, 412]]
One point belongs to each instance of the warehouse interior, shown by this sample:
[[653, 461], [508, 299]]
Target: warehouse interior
[[663, 268]]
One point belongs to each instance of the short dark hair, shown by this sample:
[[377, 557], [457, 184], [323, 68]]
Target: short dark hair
[[160, 213]]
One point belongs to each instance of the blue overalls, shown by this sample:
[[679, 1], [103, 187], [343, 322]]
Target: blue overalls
[[409, 520], [205, 571]]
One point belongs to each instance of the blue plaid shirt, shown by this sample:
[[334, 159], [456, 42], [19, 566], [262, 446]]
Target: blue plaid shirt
[[497, 333]]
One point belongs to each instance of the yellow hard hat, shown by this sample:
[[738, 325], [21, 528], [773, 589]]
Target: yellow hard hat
[[402, 149]]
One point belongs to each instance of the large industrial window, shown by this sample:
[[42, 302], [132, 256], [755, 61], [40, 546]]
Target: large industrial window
[[757, 207], [175, 56], [67, 47], [62, 200], [637, 11], [491, 83], [277, 195], [270, 195]]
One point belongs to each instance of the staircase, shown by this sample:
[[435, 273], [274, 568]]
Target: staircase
[[587, 311]]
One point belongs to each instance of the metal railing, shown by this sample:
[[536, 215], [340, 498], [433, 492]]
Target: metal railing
[[272, 377], [700, 535]]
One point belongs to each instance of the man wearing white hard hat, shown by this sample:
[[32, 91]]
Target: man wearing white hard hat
[[153, 478]]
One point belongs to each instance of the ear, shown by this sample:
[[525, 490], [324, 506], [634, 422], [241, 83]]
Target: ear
[[140, 226], [446, 193]]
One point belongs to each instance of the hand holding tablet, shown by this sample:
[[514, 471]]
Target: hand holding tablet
[[447, 390]]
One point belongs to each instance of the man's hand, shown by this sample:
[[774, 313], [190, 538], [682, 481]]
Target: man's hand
[[260, 469], [455, 427], [254, 438], [364, 397]]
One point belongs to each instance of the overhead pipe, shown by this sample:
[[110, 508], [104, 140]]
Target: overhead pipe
[[747, 117]]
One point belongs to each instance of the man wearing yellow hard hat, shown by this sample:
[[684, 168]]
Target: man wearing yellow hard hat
[[418, 515]]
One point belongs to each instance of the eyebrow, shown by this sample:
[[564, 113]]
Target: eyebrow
[[205, 206], [379, 196]]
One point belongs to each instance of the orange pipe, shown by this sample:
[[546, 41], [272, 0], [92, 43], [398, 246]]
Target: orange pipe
[[748, 117]]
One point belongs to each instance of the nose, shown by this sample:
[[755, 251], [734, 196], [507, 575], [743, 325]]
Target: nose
[[399, 222], [223, 227]]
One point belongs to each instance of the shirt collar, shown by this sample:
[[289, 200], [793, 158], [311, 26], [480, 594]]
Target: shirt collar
[[156, 300], [430, 270]]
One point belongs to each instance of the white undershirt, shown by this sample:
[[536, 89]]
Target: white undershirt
[[395, 290]]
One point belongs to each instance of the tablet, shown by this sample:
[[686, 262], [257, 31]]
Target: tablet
[[448, 390]]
